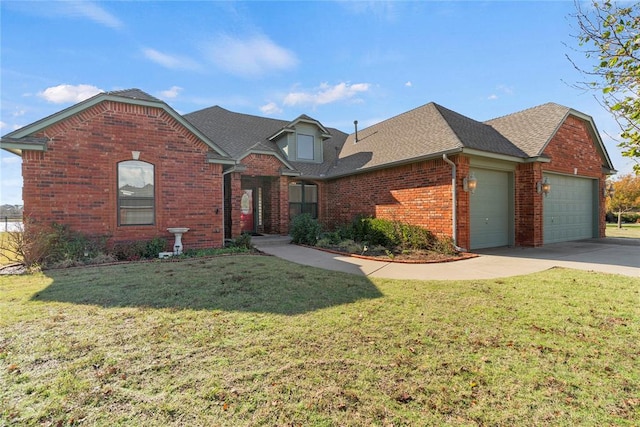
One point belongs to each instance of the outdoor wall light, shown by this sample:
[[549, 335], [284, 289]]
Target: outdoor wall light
[[469, 183], [609, 191], [544, 186]]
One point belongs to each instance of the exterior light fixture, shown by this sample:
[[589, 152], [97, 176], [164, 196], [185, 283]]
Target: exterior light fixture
[[469, 183], [544, 186], [609, 191]]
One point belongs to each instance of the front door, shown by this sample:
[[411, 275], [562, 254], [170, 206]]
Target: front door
[[247, 222]]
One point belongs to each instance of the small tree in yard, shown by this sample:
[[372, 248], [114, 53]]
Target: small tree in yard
[[611, 33], [626, 197]]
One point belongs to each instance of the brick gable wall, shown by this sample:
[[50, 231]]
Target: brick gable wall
[[74, 182]]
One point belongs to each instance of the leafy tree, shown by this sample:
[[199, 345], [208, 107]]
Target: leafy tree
[[610, 32], [626, 196]]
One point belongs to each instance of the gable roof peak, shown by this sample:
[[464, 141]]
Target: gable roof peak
[[134, 93]]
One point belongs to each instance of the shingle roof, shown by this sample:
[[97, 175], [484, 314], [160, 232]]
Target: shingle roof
[[425, 131], [531, 129], [238, 133], [134, 94]]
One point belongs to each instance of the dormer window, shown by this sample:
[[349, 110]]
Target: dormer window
[[305, 147]]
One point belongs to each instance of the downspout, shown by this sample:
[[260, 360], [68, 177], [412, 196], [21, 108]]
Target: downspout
[[454, 194]]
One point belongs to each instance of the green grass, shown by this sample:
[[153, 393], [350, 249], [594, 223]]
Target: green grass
[[253, 340], [631, 231]]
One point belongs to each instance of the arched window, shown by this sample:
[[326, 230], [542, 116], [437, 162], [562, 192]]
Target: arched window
[[136, 193], [303, 198]]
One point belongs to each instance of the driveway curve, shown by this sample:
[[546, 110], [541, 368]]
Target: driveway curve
[[608, 255]]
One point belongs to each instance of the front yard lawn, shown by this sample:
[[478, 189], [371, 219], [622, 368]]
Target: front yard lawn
[[251, 340], [631, 231]]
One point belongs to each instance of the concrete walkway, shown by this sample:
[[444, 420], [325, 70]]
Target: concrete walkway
[[618, 256]]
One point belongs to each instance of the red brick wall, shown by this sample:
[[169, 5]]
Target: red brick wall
[[418, 193], [74, 182], [528, 205], [573, 151]]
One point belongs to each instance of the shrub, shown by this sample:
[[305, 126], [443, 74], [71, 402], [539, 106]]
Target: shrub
[[38, 245], [243, 241], [305, 230], [380, 235], [138, 249]]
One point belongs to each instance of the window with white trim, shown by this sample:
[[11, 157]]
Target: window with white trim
[[136, 193]]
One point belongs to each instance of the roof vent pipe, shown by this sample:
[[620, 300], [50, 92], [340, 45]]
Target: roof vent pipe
[[355, 123]]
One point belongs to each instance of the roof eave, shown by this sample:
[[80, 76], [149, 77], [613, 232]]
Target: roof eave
[[16, 146], [280, 132], [394, 164], [102, 97], [495, 156]]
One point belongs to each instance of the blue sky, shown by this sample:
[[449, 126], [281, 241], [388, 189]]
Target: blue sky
[[336, 61]]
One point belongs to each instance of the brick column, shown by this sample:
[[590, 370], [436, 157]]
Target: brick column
[[463, 203], [529, 205], [283, 190], [236, 198]]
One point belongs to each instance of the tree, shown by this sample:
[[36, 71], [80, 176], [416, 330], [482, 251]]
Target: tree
[[626, 196], [611, 35]]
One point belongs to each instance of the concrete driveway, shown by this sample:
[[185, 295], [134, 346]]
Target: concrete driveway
[[609, 255]]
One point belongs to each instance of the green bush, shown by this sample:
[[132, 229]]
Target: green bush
[[243, 241], [138, 249], [395, 236], [305, 230]]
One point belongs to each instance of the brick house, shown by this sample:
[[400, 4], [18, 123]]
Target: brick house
[[126, 165]]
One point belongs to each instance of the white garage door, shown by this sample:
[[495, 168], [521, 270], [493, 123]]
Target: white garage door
[[569, 209], [491, 218]]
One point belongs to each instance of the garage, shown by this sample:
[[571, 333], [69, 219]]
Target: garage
[[569, 209], [491, 211]]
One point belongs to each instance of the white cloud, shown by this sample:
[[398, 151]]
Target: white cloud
[[408, 84], [503, 90], [91, 10], [68, 93], [251, 57], [270, 109], [13, 160], [2, 125], [174, 62], [326, 94], [507, 90], [171, 93]]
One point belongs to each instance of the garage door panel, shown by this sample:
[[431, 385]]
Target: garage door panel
[[490, 212], [568, 209]]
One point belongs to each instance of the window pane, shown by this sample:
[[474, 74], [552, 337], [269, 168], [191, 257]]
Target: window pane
[[295, 209], [136, 193], [305, 147], [295, 193], [310, 193]]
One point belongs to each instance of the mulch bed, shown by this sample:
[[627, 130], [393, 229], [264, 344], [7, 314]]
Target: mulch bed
[[412, 257]]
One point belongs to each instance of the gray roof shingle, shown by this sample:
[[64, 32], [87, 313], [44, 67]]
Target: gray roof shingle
[[238, 133], [134, 94], [531, 129], [424, 131]]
